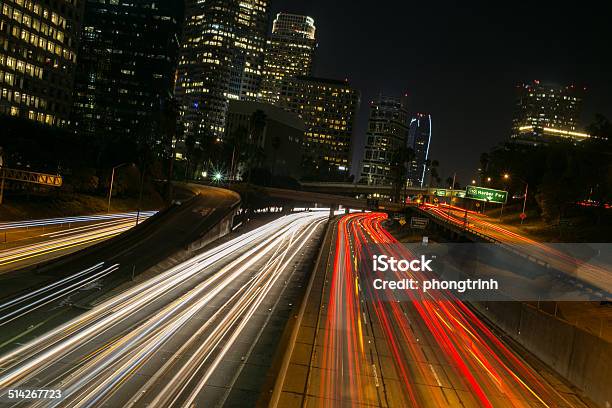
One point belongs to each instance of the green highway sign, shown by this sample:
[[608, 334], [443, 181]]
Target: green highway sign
[[441, 192], [486, 194]]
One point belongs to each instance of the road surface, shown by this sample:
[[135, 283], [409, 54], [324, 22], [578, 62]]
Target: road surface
[[33, 241], [82, 277], [187, 336], [597, 275], [363, 347]]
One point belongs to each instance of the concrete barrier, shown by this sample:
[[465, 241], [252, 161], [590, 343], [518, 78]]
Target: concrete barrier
[[221, 228], [582, 358]]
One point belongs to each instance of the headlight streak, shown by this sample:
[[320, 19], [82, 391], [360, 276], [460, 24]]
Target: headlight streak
[[61, 291], [61, 241], [70, 220], [149, 289], [102, 373]]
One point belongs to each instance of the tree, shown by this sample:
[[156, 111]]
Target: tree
[[257, 128], [238, 141], [400, 159], [433, 165], [560, 173], [276, 145]]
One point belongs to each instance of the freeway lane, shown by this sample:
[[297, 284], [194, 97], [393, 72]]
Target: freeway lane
[[596, 275], [134, 251], [187, 336], [37, 243], [369, 349]]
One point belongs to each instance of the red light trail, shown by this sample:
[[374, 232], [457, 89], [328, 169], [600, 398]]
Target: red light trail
[[433, 350]]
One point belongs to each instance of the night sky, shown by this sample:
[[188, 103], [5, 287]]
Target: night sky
[[461, 62]]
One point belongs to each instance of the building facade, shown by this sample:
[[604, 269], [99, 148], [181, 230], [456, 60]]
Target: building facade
[[38, 54], [328, 108], [280, 141], [547, 112], [221, 60], [127, 68], [419, 140], [387, 131], [289, 53]]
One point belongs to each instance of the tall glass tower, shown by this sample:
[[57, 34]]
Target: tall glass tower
[[387, 131], [221, 59], [419, 140], [38, 47], [126, 70], [547, 112], [289, 53]]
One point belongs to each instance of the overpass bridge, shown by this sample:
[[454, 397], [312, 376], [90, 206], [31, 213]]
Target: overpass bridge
[[370, 190], [310, 198]]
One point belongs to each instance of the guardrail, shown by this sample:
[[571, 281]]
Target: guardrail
[[466, 230]]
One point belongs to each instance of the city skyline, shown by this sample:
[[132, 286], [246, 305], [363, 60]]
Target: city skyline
[[452, 71], [249, 203]]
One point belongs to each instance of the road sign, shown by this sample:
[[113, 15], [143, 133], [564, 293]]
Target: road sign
[[419, 222], [523, 216], [402, 221], [486, 194], [52, 180], [441, 192], [23, 176]]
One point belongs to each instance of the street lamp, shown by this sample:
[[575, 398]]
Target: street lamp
[[488, 179], [524, 196], [506, 176], [474, 182], [110, 190]]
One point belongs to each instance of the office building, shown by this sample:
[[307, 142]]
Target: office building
[[419, 140], [289, 53], [280, 142], [328, 108], [126, 71], [387, 132], [547, 112], [221, 59], [38, 46]]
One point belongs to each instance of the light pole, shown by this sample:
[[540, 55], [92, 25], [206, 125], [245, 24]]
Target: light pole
[[142, 177], [110, 190], [451, 195], [524, 196], [501, 213]]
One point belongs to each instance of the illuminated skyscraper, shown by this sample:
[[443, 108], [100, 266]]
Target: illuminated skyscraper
[[289, 53], [328, 108], [387, 131], [547, 112], [221, 59], [126, 70], [38, 44], [419, 140]]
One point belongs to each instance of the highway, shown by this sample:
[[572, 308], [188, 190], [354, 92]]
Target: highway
[[190, 336], [35, 241], [363, 347], [593, 274]]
